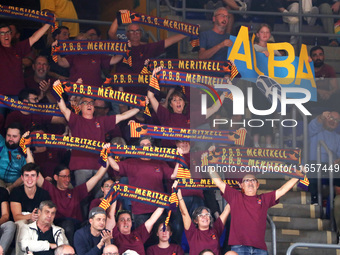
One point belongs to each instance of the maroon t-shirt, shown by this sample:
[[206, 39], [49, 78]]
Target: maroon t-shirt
[[139, 54], [323, 75], [27, 121], [147, 174], [49, 159], [88, 67], [134, 241], [173, 249], [204, 239], [94, 129], [248, 217], [67, 201], [32, 84], [11, 73]]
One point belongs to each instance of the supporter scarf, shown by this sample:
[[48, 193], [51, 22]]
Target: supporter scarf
[[199, 184], [28, 14], [106, 94], [196, 66], [46, 109], [126, 80], [255, 160], [171, 25], [88, 145], [71, 47], [236, 137], [141, 195], [131, 151]]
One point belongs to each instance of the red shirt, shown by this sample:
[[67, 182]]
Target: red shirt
[[248, 217], [94, 129], [204, 239], [11, 73], [88, 67], [147, 174], [27, 120], [67, 201], [134, 241], [173, 249]]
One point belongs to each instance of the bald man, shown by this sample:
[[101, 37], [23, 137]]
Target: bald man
[[110, 249], [64, 249]]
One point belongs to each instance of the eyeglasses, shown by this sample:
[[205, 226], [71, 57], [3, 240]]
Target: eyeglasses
[[111, 253], [249, 180], [138, 31], [222, 15], [87, 103], [64, 176], [334, 119], [108, 186], [204, 215], [5, 33]]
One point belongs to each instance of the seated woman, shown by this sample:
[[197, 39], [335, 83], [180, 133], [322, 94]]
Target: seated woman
[[121, 226], [201, 233], [164, 246]]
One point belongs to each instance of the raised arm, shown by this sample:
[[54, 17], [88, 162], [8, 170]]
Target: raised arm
[[285, 188], [113, 30], [224, 215], [126, 115], [113, 164], [151, 96], [110, 220], [38, 34], [96, 178], [115, 59], [174, 173], [173, 39], [184, 211], [214, 175], [153, 218], [62, 106]]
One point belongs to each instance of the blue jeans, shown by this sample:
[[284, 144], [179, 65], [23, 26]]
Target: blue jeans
[[248, 250]]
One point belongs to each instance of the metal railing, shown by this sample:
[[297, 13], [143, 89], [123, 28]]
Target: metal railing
[[311, 245], [331, 181], [273, 227], [300, 14]]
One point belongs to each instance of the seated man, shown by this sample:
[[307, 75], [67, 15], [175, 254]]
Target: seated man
[[91, 239], [41, 235], [25, 199], [68, 200], [11, 161], [7, 228]]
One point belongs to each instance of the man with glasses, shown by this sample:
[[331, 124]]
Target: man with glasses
[[214, 43], [249, 212], [86, 125], [64, 250], [110, 250], [12, 78], [140, 51], [322, 128]]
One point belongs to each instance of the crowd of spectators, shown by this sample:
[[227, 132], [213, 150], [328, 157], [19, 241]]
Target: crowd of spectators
[[56, 186]]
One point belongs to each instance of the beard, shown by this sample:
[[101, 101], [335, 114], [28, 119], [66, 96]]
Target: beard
[[318, 63], [12, 146]]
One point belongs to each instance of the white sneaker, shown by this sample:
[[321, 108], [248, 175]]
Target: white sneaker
[[243, 5], [256, 145], [311, 20], [290, 19]]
